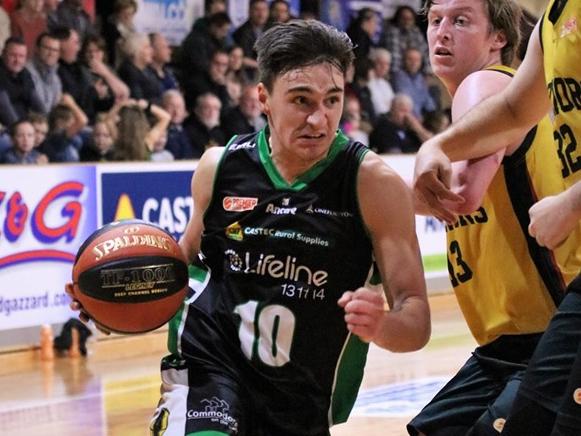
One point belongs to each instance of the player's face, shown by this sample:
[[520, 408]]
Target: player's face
[[304, 109], [460, 39]]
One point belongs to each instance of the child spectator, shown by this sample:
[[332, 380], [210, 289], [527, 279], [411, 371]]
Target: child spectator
[[99, 148], [23, 151], [159, 153], [65, 123], [40, 124]]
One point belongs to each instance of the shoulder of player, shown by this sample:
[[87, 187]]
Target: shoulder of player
[[476, 87], [207, 166]]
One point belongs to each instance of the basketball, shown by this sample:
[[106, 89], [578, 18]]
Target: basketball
[[130, 276]]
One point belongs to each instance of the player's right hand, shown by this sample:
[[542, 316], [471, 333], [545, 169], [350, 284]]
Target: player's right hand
[[432, 181], [78, 307]]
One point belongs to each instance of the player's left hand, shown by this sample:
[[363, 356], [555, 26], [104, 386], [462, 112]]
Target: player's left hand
[[552, 219], [432, 180], [364, 310]]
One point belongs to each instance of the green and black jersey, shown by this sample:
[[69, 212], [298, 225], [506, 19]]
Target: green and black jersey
[[278, 257]]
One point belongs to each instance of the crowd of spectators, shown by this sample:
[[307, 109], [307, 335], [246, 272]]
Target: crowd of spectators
[[75, 90]]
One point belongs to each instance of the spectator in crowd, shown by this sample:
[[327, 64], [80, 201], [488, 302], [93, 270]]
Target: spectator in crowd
[[28, 22], [399, 131], [199, 45], [99, 147], [160, 60], [213, 80], [234, 87], [117, 27], [108, 87], [178, 142], [17, 93], [236, 65], [247, 34], [379, 86], [65, 122], [246, 117], [411, 81], [401, 33], [279, 12], [159, 152], [43, 68], [134, 69], [40, 124], [203, 126], [4, 26], [75, 77], [136, 137], [211, 7], [437, 121], [70, 13], [50, 7], [23, 150], [351, 123], [360, 88], [362, 30]]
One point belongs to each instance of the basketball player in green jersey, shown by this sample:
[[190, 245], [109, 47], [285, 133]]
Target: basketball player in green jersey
[[548, 400], [507, 286], [272, 339]]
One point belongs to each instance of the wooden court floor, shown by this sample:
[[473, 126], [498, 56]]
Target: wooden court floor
[[116, 396]]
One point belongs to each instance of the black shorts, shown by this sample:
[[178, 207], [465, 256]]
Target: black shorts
[[197, 397], [479, 396], [548, 373]]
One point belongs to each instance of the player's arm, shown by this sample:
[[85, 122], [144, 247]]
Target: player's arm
[[471, 178], [388, 212], [486, 129], [202, 185]]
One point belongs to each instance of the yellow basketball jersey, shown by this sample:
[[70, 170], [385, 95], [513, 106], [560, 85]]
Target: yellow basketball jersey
[[561, 43], [506, 284]]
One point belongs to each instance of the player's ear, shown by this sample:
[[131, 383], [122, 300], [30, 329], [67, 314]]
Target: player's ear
[[263, 97], [499, 40]]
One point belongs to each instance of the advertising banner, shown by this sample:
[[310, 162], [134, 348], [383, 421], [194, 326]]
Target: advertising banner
[[159, 197], [172, 18], [44, 219]]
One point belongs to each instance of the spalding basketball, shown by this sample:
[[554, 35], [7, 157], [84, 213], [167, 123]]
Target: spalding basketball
[[130, 276]]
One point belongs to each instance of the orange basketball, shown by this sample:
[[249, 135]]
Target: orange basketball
[[130, 276]]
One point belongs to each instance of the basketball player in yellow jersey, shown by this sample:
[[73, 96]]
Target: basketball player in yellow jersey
[[507, 286], [548, 401]]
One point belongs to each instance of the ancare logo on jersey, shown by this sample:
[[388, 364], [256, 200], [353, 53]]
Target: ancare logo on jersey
[[285, 209], [270, 265], [239, 204]]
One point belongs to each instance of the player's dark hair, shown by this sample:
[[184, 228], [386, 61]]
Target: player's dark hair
[[301, 43]]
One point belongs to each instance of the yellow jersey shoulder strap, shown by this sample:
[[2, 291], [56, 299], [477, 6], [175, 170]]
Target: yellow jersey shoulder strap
[[501, 69]]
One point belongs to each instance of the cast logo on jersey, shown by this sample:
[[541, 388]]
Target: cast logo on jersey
[[215, 410], [239, 204], [570, 26], [271, 266], [159, 423], [577, 396]]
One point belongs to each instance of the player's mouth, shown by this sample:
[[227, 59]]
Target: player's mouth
[[312, 137], [442, 51]]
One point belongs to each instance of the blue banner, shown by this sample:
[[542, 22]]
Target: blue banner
[[161, 198]]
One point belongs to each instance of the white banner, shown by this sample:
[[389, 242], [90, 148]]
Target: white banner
[[172, 18]]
